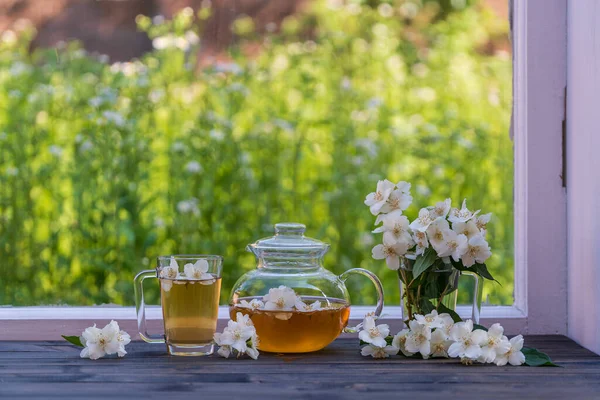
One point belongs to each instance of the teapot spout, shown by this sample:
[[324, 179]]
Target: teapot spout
[[251, 249]]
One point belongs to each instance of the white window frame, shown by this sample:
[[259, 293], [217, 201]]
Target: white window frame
[[540, 307]]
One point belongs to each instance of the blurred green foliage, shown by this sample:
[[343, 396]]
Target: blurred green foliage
[[104, 167]]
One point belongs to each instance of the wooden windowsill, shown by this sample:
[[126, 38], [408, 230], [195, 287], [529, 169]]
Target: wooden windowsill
[[53, 369]]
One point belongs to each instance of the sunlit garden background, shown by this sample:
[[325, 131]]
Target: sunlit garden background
[[104, 166]]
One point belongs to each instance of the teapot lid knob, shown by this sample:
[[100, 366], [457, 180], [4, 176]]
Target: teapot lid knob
[[290, 229]]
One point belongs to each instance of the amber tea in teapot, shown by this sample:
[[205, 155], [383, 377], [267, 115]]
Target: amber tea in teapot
[[285, 332], [296, 305]]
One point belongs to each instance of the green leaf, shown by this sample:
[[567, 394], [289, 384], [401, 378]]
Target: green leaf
[[535, 358], [481, 270], [443, 309], [425, 306], [424, 261], [480, 327], [73, 340]]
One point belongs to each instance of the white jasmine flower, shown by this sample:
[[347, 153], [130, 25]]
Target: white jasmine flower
[[481, 221], [224, 349], [123, 339], [435, 233], [447, 323], [252, 346], [301, 306], [454, 245], [391, 253], [399, 342], [496, 344], [469, 228], [420, 238], [441, 209], [169, 274], [100, 342], [477, 251], [395, 228], [422, 222], [193, 167], [398, 200], [56, 151], [282, 298], [377, 199], [462, 215], [514, 355], [238, 333], [467, 342], [254, 304], [374, 334], [378, 352], [440, 343], [198, 271], [431, 320], [418, 340]]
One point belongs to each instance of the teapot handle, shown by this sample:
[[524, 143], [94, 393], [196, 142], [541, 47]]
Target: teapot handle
[[374, 279]]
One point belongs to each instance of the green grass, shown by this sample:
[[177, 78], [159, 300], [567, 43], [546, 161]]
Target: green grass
[[302, 132]]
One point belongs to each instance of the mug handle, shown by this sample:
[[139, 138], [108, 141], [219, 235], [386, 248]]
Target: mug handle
[[477, 294], [364, 272], [140, 307]]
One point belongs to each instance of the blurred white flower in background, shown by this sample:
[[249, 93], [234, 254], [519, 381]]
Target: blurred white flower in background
[[216, 135], [19, 68], [56, 151], [385, 10], [12, 171], [178, 147], [374, 102], [158, 19], [86, 146], [189, 206], [271, 27], [128, 68], [114, 117], [8, 37], [14, 94], [156, 95], [346, 83], [232, 68], [368, 145], [193, 167]]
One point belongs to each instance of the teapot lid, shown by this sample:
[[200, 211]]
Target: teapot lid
[[289, 238]]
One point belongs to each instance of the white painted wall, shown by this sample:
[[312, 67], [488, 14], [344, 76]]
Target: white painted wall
[[583, 172]]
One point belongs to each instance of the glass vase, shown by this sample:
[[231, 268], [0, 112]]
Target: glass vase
[[435, 289]]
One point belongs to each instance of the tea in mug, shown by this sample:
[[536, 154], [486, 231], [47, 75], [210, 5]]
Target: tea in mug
[[297, 331], [190, 310]]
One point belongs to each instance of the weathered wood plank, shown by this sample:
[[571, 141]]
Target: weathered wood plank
[[54, 370]]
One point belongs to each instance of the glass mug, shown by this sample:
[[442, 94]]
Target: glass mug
[[190, 286]]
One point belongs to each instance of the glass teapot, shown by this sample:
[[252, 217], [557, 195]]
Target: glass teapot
[[296, 305]]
